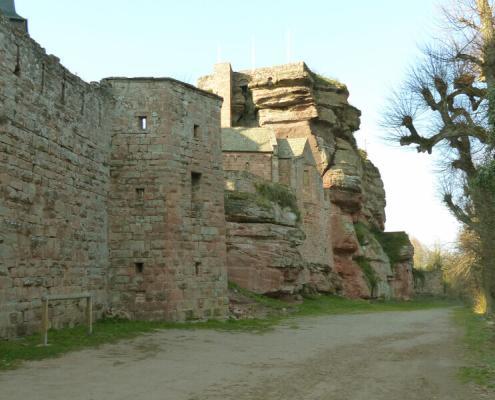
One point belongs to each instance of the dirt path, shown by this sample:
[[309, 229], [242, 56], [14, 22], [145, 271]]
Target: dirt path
[[399, 355]]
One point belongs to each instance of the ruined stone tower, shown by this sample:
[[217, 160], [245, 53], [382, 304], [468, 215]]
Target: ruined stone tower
[[115, 189], [7, 8]]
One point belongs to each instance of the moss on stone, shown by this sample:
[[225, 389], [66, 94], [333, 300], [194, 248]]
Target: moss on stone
[[279, 194], [237, 199], [362, 233], [363, 154], [369, 273], [324, 80], [392, 243]]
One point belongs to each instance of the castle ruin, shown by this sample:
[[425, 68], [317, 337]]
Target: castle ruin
[[151, 194]]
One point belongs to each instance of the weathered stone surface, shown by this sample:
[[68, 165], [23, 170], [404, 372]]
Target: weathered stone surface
[[264, 257], [403, 283], [90, 201], [430, 283], [54, 178], [296, 103], [374, 196], [117, 188], [268, 250], [166, 208]]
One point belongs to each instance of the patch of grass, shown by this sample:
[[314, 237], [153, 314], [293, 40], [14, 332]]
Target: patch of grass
[[331, 305], [266, 301], [479, 340], [13, 353], [279, 194]]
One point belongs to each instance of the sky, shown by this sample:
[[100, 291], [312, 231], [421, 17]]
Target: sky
[[368, 45]]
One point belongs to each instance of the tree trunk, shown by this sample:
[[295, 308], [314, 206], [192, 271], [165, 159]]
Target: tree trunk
[[484, 201], [487, 276]]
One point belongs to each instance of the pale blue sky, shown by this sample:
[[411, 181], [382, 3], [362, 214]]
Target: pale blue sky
[[366, 44]]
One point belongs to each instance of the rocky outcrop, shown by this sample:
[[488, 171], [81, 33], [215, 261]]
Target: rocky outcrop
[[264, 241], [296, 103]]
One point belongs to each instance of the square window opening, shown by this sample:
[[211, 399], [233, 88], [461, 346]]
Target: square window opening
[[139, 267], [143, 122], [140, 194]]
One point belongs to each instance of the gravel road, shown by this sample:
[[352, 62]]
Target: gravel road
[[394, 355]]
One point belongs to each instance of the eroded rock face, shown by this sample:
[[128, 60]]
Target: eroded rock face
[[346, 246], [264, 257], [402, 265], [297, 103], [265, 245]]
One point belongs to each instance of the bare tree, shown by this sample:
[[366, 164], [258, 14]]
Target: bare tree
[[448, 105]]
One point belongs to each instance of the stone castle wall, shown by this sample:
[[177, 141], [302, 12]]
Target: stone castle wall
[[259, 164], [117, 189], [54, 177], [167, 226], [91, 203]]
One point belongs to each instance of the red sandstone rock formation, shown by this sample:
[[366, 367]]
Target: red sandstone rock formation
[[294, 102]]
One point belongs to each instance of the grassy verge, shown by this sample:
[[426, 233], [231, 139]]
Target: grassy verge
[[480, 344], [13, 353]]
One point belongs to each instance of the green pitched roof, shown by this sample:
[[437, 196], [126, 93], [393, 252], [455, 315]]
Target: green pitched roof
[[257, 140]]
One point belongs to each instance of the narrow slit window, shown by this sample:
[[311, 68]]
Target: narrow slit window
[[197, 268], [196, 132], [196, 192], [17, 69], [143, 122], [62, 93], [306, 179], [139, 267], [43, 72]]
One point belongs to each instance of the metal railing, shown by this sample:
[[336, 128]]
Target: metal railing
[[44, 311]]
